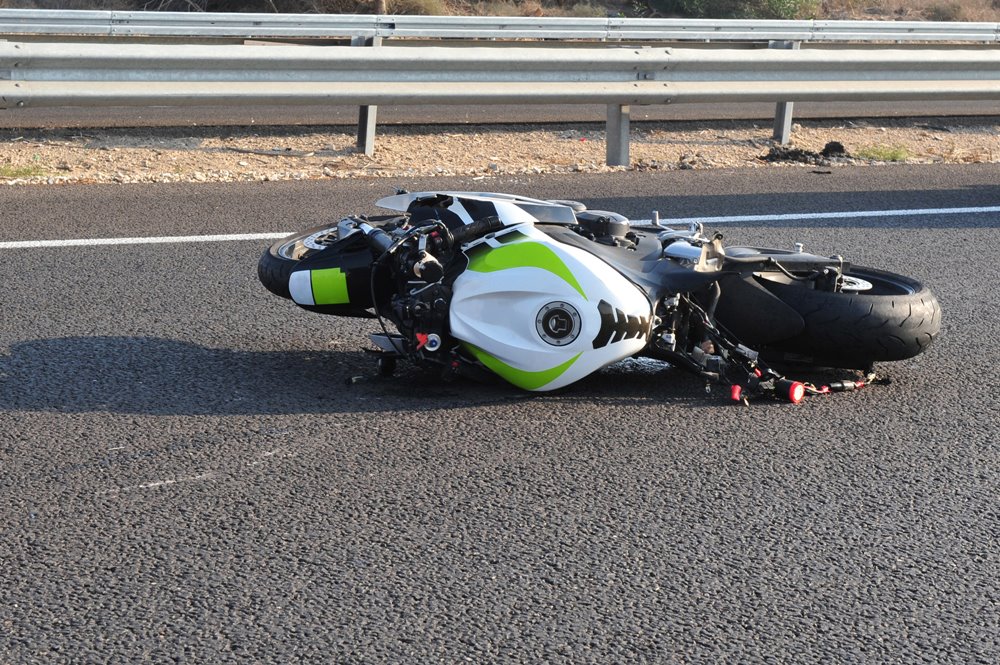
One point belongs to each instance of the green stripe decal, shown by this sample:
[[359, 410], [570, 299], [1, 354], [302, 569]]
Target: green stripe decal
[[329, 286], [524, 255], [520, 377]]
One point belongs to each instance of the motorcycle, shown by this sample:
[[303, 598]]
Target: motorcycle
[[543, 293]]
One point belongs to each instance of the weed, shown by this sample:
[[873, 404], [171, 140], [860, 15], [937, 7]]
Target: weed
[[21, 171], [883, 153]]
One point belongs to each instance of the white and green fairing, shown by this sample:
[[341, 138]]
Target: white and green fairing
[[542, 314]]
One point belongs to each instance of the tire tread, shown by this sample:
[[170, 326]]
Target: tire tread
[[863, 328]]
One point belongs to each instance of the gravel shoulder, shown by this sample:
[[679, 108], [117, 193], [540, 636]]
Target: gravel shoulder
[[228, 154]]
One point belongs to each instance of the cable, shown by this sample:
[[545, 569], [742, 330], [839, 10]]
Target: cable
[[811, 277], [371, 286]]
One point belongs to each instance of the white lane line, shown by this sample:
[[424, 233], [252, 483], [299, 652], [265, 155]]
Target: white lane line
[[93, 242], [732, 219], [848, 214]]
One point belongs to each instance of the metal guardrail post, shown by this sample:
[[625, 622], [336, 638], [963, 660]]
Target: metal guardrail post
[[367, 115], [783, 110], [617, 135]]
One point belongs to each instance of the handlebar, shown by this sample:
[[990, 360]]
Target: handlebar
[[378, 240], [415, 259], [381, 242], [478, 228]]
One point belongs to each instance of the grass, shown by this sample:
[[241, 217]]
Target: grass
[[883, 153], [21, 171]]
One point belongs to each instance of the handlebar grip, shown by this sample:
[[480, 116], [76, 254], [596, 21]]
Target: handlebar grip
[[476, 229], [378, 240]]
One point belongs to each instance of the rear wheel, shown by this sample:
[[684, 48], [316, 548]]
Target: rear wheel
[[878, 316]]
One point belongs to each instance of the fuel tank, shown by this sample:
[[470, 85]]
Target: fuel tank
[[542, 314]]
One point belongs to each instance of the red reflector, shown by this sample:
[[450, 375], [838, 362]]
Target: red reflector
[[736, 393], [421, 340], [793, 391]]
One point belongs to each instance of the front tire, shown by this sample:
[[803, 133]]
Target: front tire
[[896, 318], [276, 264]]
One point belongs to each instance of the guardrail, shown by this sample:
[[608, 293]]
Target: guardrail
[[372, 30], [327, 26], [40, 74]]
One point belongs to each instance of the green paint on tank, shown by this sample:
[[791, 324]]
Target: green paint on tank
[[520, 377], [524, 255]]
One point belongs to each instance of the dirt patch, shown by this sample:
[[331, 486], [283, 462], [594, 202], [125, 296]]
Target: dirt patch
[[217, 154]]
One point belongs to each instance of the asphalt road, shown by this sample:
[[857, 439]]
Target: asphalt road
[[477, 115], [186, 475]]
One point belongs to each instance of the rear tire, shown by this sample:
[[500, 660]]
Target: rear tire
[[897, 318]]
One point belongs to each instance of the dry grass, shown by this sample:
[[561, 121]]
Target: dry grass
[[912, 10], [907, 10], [584, 9], [418, 7]]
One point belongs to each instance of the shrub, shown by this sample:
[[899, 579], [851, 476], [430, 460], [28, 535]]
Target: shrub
[[422, 7], [946, 12], [587, 10], [751, 9]]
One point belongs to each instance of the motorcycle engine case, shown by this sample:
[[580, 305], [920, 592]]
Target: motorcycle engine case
[[543, 314]]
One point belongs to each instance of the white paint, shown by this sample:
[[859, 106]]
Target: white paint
[[94, 242], [849, 214], [300, 287], [734, 219], [208, 475]]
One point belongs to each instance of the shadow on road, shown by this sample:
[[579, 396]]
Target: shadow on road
[[148, 375]]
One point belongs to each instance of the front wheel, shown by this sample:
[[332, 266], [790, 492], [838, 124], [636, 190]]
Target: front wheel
[[878, 316], [277, 263]]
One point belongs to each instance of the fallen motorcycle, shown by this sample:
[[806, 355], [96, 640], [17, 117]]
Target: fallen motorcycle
[[544, 293]]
